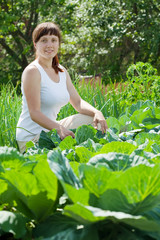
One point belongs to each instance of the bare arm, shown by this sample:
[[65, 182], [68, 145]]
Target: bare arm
[[84, 107], [32, 84]]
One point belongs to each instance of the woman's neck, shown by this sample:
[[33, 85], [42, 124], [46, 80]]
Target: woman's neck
[[45, 63]]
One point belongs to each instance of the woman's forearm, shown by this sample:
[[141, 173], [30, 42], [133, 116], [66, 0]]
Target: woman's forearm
[[86, 108], [38, 117], [42, 120]]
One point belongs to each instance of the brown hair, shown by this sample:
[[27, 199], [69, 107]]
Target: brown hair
[[45, 29]]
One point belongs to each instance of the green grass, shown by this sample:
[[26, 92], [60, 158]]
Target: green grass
[[10, 108], [94, 93]]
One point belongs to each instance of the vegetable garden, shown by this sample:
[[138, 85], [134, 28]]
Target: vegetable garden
[[96, 186]]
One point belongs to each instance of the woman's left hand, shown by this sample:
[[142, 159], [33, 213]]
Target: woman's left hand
[[99, 119]]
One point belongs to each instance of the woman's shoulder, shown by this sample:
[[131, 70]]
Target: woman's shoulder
[[31, 67], [31, 71]]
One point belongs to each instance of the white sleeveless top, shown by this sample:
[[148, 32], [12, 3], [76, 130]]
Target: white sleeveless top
[[53, 97]]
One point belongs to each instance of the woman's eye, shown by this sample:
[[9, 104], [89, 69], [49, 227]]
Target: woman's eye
[[44, 40]]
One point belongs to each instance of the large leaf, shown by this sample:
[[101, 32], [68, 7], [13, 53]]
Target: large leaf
[[36, 150], [114, 200], [54, 137], [135, 107], [155, 130], [1, 168], [91, 145], [14, 223], [10, 158], [62, 169], [139, 157], [140, 115], [94, 179], [142, 105], [156, 148], [88, 215], [125, 123], [81, 195], [35, 196], [62, 227], [111, 136], [82, 154], [28, 166], [75, 165], [119, 147], [124, 136], [113, 161], [3, 185], [154, 214], [84, 132], [41, 206], [46, 179], [140, 185], [113, 123], [99, 135], [15, 192], [151, 122], [10, 153], [141, 137], [49, 139], [121, 231], [67, 143]]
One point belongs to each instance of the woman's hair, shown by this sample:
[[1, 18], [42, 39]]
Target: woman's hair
[[45, 29]]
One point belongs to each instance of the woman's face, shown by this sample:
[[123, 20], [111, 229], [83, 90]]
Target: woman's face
[[47, 46]]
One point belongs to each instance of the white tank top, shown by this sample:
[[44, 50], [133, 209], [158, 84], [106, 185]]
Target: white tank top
[[53, 97]]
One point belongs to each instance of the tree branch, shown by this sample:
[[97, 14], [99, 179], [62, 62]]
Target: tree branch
[[30, 21], [10, 51], [24, 61], [18, 32], [33, 19], [16, 38]]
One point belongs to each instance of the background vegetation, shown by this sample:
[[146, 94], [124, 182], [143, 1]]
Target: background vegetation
[[143, 84], [99, 37]]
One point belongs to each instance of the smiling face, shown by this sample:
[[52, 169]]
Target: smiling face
[[46, 39], [47, 46]]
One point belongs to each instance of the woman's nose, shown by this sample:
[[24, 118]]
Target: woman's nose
[[49, 43]]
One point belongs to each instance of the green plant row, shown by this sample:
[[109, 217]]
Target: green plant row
[[143, 84], [10, 109], [94, 187]]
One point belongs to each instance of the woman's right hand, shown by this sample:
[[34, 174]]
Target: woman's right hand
[[63, 132]]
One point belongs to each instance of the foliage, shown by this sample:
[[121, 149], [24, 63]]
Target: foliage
[[143, 81], [98, 36], [92, 187], [10, 108], [110, 35]]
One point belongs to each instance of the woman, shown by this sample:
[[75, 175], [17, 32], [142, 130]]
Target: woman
[[46, 87]]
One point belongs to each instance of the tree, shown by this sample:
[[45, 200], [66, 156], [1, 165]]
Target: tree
[[17, 21], [102, 36], [111, 35]]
